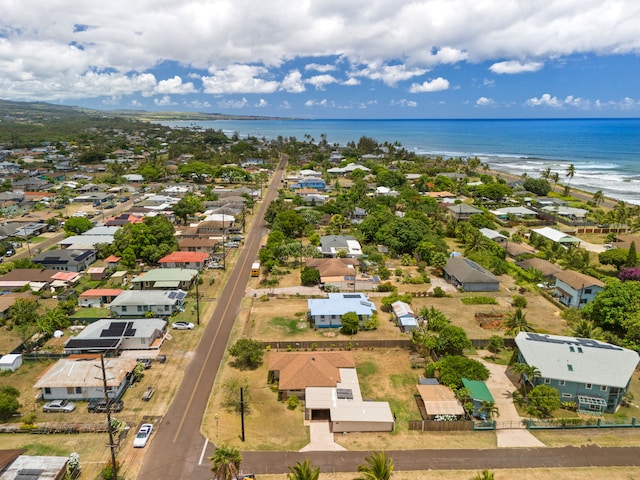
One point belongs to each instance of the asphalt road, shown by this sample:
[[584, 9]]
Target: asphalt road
[[178, 450]]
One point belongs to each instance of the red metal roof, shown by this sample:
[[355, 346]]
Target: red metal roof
[[185, 257]]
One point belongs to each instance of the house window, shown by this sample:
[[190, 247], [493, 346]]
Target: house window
[[547, 381], [124, 308], [587, 291], [561, 383], [47, 390], [567, 395], [70, 390], [78, 390], [588, 386], [139, 308], [166, 308], [603, 388]]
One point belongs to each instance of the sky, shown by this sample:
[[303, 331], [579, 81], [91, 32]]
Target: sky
[[327, 58]]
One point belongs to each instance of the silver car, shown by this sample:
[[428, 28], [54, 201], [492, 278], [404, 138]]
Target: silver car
[[59, 406], [142, 437]]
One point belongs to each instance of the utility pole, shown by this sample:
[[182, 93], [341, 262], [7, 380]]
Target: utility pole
[[112, 445], [242, 412], [197, 299]]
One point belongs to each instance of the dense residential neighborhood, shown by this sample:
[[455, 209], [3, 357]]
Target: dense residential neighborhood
[[391, 292]]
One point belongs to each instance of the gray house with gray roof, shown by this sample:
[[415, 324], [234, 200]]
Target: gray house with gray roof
[[467, 275], [593, 374]]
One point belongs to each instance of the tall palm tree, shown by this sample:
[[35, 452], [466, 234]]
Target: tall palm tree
[[571, 171], [598, 197], [378, 467], [226, 462], [303, 471], [546, 173], [489, 409], [517, 322]]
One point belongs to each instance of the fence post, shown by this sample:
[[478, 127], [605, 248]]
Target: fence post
[[633, 421]]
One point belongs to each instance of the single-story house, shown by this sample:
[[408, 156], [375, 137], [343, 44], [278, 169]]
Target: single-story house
[[328, 383], [327, 312], [350, 283], [404, 316], [134, 303], [10, 362], [517, 250], [556, 236], [206, 245], [494, 235], [545, 267], [34, 277], [192, 260], [34, 467], [80, 378], [593, 374], [439, 400], [66, 260], [123, 219], [468, 275], [330, 245], [575, 289], [96, 297], [570, 213], [165, 279], [113, 336], [310, 182], [478, 393], [519, 212]]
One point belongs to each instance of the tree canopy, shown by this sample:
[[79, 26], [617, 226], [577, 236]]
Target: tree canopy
[[247, 352]]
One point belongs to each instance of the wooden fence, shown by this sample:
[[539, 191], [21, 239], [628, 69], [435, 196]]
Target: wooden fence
[[445, 426]]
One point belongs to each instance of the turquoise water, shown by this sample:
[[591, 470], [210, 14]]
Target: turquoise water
[[605, 152]]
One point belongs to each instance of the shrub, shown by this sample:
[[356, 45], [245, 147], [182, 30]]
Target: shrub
[[292, 402], [479, 301], [386, 287], [438, 292], [518, 301]]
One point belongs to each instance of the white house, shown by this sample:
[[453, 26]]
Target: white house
[[327, 312], [575, 289], [136, 303], [81, 379]]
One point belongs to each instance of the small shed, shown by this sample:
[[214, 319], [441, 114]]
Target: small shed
[[10, 362], [478, 392], [97, 273], [119, 277]]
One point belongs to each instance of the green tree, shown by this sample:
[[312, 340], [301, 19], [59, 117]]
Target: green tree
[[598, 197], [77, 225], [52, 320], [495, 345], [350, 323], [516, 322], [616, 257], [543, 400], [539, 186], [489, 410], [452, 340], [452, 369], [571, 171], [225, 462], [187, 206], [9, 403], [289, 222], [23, 312], [247, 352], [632, 257], [309, 276], [303, 471], [377, 467], [528, 374]]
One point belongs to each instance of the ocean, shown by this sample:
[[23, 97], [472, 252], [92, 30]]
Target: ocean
[[605, 152]]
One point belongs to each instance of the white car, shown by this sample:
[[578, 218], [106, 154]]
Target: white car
[[142, 437], [59, 406], [183, 326]]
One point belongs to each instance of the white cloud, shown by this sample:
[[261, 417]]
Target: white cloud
[[317, 103], [321, 68], [484, 101], [547, 100], [435, 85], [351, 82], [513, 66], [292, 82], [238, 79], [403, 103], [233, 103], [320, 81], [164, 101], [174, 86], [390, 75], [262, 103]]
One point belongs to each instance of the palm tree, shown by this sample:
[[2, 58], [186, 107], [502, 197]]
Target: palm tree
[[598, 197], [516, 322], [489, 409], [484, 475], [571, 171], [226, 462], [378, 467], [546, 173], [303, 471], [555, 178], [584, 328], [527, 374]]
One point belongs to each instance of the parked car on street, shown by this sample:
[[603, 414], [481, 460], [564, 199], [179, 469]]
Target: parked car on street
[[142, 437], [100, 406], [64, 406], [183, 325]]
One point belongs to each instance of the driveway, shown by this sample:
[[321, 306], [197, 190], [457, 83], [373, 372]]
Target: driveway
[[511, 430], [321, 438]]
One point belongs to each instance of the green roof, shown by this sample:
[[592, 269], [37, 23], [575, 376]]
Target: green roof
[[167, 274], [477, 390]]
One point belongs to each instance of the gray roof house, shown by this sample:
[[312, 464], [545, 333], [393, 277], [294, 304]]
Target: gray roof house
[[67, 260], [467, 275], [330, 245], [593, 374], [462, 211], [134, 303], [112, 336], [165, 279], [575, 289]]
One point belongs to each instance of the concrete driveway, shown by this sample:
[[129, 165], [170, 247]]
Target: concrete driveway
[[511, 430], [321, 438]]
